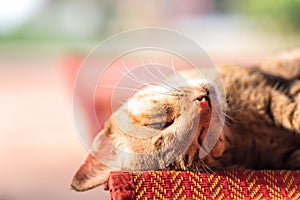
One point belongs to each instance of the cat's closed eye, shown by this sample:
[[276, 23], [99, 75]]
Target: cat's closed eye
[[160, 126], [154, 111]]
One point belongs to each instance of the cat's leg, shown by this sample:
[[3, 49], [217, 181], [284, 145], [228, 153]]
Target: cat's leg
[[285, 65], [285, 105], [286, 110]]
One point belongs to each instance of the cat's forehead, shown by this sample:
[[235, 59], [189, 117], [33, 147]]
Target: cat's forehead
[[177, 82], [173, 88], [198, 83], [194, 78]]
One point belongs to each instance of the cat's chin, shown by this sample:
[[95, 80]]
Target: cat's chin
[[214, 158]]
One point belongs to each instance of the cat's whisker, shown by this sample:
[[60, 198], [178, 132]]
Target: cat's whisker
[[150, 60], [136, 90], [234, 109], [131, 75], [128, 75], [206, 168], [147, 69], [122, 88], [135, 79], [157, 68], [120, 70], [161, 73], [175, 73], [173, 67], [163, 93], [167, 81], [174, 82], [157, 78], [167, 86], [229, 117], [203, 167], [230, 120], [172, 85], [144, 66]]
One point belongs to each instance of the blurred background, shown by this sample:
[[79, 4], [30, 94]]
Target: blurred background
[[43, 42]]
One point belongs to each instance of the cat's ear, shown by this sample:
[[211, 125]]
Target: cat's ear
[[92, 173]]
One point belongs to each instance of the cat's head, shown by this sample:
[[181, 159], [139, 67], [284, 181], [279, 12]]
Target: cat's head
[[173, 124]]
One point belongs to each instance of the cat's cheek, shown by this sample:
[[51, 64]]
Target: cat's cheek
[[216, 154], [219, 148]]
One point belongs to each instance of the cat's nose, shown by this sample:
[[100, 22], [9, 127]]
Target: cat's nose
[[202, 96], [204, 104], [203, 101]]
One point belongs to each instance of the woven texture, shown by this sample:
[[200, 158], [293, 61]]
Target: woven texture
[[191, 185]]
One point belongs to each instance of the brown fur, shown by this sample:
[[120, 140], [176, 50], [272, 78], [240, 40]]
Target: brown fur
[[262, 126]]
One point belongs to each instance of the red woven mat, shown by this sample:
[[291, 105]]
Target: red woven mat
[[191, 185]]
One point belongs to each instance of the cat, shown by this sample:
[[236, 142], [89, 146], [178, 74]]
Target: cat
[[261, 127]]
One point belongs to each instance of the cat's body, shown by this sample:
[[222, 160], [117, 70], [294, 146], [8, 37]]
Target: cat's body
[[264, 124], [261, 129]]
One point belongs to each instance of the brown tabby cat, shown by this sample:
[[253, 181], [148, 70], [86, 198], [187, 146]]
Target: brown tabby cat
[[261, 130]]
